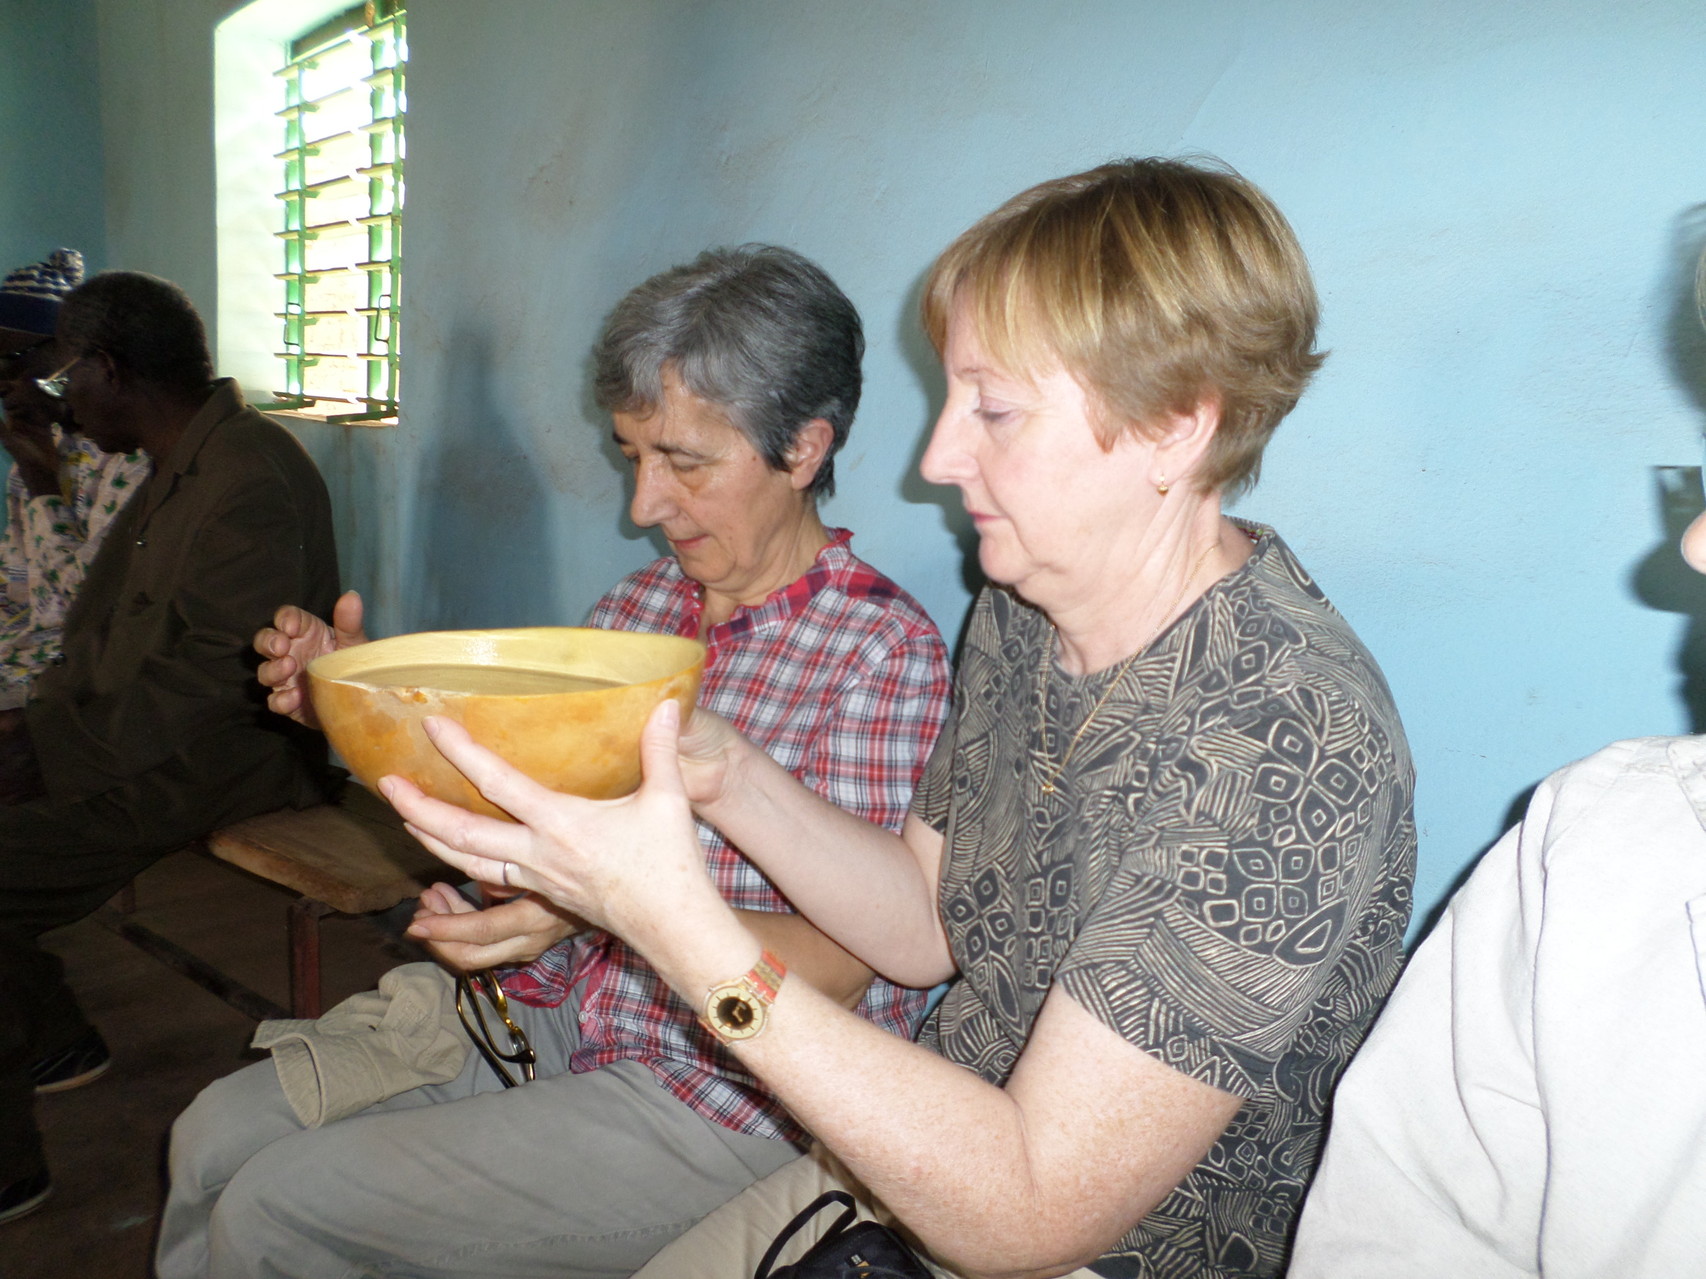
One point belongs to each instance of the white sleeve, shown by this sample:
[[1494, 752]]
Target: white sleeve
[[1532, 1100], [1435, 1155]]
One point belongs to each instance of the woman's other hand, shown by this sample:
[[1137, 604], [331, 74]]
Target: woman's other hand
[[295, 638], [467, 938], [629, 865]]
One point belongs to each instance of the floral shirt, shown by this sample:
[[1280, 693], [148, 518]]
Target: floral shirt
[[48, 545]]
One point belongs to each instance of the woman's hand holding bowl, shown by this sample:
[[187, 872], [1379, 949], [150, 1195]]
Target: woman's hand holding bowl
[[632, 865]]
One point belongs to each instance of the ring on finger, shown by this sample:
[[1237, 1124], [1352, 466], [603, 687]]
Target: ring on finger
[[506, 875]]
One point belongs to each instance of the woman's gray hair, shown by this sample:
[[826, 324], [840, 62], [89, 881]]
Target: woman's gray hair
[[759, 331]]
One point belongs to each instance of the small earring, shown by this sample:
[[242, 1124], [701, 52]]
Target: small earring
[[1162, 487]]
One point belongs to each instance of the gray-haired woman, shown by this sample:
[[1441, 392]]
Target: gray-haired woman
[[732, 381]]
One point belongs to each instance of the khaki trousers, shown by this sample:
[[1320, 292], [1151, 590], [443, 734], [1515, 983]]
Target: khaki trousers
[[571, 1177]]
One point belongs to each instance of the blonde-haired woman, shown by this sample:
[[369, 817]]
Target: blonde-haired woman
[[1165, 843]]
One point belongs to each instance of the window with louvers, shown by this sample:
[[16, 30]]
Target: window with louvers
[[342, 208]]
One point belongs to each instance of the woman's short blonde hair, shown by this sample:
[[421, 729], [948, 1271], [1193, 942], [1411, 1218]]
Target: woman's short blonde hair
[[1158, 285]]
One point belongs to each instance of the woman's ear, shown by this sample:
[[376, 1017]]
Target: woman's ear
[[1184, 438], [806, 454]]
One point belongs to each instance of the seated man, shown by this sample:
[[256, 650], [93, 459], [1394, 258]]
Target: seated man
[[150, 732], [63, 491], [1533, 1098], [732, 381]]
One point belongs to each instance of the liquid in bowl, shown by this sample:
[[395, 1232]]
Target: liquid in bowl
[[494, 681]]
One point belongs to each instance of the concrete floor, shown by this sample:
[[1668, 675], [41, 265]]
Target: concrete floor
[[169, 1037]]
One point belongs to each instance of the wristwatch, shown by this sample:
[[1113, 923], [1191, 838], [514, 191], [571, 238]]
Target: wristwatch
[[740, 1008]]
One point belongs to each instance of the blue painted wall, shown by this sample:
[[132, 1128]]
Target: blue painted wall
[[1502, 204]]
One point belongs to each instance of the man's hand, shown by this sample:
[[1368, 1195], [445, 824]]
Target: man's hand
[[466, 939], [20, 772], [295, 638], [33, 450]]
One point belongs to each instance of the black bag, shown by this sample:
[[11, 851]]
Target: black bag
[[850, 1250]]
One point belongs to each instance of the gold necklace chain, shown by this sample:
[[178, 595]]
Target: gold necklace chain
[[1115, 682]]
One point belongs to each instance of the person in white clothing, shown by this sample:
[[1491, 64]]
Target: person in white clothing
[[1532, 1101]]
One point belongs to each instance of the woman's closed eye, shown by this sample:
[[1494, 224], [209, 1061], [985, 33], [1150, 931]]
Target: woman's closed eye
[[678, 463]]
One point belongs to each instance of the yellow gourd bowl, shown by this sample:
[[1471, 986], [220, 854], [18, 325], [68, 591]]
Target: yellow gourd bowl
[[585, 741]]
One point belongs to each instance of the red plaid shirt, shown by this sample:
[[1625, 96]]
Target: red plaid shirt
[[844, 680]]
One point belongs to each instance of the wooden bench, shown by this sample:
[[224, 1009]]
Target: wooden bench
[[351, 857], [348, 858]]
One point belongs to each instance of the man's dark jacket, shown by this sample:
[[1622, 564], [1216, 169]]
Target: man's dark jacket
[[155, 705]]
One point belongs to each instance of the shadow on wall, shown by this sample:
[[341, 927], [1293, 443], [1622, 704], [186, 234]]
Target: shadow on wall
[[481, 523], [1425, 924], [1662, 580], [922, 360], [608, 448], [1685, 344]]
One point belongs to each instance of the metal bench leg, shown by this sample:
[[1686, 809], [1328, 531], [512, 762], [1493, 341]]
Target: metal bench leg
[[305, 917]]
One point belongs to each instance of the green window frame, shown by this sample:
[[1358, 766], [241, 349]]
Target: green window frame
[[345, 96]]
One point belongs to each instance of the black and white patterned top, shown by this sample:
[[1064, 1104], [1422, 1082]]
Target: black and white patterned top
[[1222, 875]]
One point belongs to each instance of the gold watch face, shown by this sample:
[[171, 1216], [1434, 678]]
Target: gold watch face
[[734, 1012]]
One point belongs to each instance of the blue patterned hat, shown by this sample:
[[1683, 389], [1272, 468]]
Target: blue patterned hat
[[30, 297]]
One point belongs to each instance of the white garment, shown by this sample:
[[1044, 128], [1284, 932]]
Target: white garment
[[1533, 1099]]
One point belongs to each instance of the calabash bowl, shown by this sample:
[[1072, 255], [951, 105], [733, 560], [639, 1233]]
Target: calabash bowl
[[372, 699]]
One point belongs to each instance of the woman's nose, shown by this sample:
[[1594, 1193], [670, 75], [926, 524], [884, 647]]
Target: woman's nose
[[945, 459], [652, 504]]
